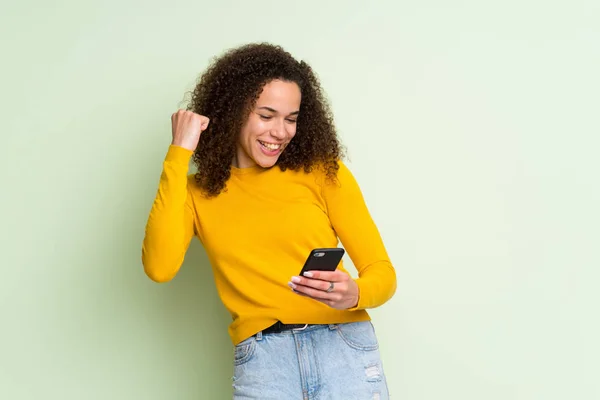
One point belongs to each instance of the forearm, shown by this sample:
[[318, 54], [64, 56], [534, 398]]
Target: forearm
[[376, 284], [169, 228], [360, 236]]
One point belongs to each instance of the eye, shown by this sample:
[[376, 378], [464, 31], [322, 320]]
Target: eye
[[265, 117], [291, 121]]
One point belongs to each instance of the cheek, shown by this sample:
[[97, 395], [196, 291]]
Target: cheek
[[245, 135], [257, 128], [291, 131]]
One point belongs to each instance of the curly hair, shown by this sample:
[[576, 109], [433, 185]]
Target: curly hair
[[227, 92]]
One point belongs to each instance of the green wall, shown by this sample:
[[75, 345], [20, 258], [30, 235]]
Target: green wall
[[472, 128]]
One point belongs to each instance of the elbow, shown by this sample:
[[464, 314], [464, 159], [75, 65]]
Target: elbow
[[392, 281], [158, 276], [393, 289], [156, 269], [388, 282]]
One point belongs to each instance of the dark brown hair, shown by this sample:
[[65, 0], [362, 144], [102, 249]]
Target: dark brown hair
[[229, 89]]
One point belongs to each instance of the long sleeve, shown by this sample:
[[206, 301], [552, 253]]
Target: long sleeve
[[360, 237], [170, 225]]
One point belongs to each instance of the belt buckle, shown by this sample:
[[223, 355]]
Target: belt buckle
[[300, 329]]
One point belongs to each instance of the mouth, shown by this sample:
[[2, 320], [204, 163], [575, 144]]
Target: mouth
[[271, 147]]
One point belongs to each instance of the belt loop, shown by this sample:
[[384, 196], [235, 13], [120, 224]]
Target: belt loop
[[259, 336], [332, 327]]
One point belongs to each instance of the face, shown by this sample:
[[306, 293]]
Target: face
[[270, 127]]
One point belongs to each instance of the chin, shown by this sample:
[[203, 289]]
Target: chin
[[266, 163]]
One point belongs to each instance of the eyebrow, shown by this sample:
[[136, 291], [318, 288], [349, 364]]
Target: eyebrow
[[275, 111]]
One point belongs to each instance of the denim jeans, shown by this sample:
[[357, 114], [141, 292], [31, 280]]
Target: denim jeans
[[321, 362]]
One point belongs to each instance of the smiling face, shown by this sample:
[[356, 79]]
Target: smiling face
[[270, 126]]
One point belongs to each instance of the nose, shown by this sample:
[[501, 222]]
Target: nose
[[278, 131]]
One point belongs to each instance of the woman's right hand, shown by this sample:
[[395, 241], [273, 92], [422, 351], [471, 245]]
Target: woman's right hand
[[187, 127]]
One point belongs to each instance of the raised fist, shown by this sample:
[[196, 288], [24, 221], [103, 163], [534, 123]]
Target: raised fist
[[187, 127]]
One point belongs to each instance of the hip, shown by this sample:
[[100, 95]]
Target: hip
[[313, 362]]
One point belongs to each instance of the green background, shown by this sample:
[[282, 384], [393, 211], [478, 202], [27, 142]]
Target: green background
[[472, 128]]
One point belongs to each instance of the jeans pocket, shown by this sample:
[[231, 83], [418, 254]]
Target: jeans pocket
[[359, 335], [244, 351]]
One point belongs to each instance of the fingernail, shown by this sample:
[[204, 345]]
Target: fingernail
[[309, 274], [290, 284], [295, 279]]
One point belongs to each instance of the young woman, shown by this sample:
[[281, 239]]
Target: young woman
[[270, 187]]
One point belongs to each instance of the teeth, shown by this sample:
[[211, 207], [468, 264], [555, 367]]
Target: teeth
[[271, 146]]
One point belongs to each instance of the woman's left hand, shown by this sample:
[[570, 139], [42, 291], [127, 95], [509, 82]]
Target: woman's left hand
[[337, 289]]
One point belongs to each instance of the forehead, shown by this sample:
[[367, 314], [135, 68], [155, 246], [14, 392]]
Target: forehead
[[279, 94]]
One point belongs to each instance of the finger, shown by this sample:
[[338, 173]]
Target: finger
[[315, 293], [301, 294], [331, 276], [309, 282], [329, 303]]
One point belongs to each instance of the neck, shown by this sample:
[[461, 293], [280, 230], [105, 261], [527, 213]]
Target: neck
[[241, 160]]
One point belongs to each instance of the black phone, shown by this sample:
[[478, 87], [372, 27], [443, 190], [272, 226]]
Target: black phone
[[326, 259]]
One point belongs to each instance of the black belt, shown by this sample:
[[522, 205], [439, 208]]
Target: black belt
[[279, 327]]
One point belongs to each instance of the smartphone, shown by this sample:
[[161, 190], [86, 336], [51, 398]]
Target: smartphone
[[326, 259]]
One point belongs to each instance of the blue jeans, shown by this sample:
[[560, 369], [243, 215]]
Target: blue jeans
[[321, 362]]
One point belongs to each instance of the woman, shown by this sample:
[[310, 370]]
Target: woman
[[270, 186]]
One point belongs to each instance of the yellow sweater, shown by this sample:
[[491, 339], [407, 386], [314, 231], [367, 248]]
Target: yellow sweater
[[257, 235]]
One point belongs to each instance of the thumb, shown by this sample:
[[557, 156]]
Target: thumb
[[204, 124]]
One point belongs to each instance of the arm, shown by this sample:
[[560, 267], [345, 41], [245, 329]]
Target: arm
[[170, 225], [360, 237]]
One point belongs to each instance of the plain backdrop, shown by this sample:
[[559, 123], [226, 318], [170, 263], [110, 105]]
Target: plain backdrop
[[471, 126]]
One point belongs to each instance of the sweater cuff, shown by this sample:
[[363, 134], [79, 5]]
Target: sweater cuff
[[178, 155], [360, 305]]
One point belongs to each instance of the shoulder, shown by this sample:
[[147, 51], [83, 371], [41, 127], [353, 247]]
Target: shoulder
[[343, 170], [337, 171], [334, 176], [192, 184]]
